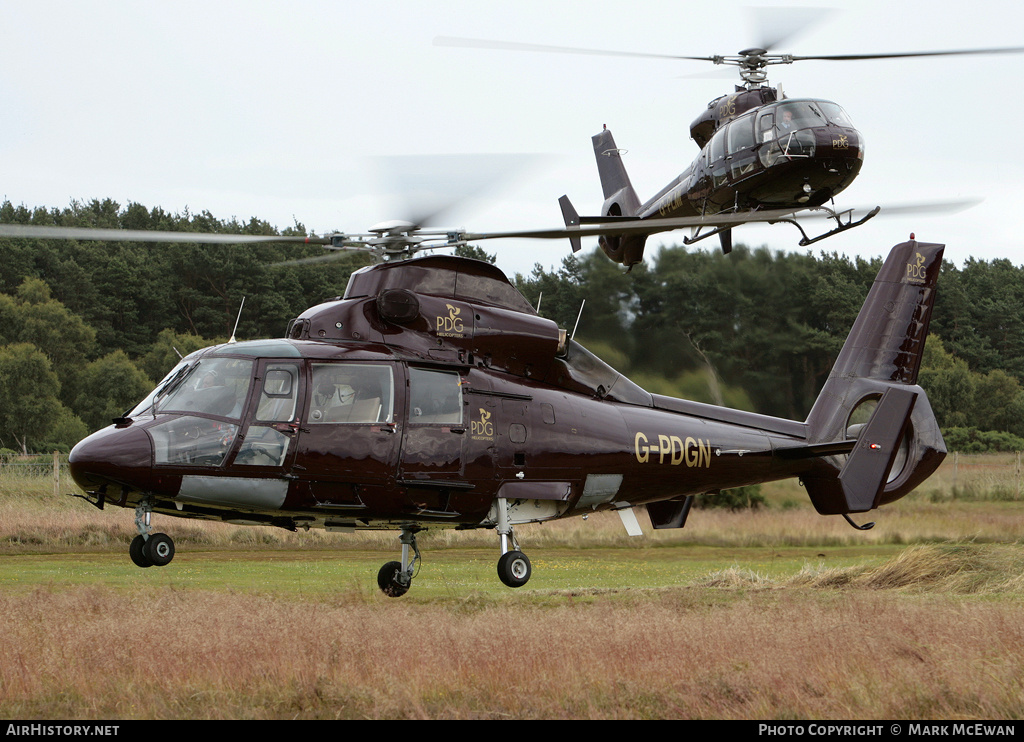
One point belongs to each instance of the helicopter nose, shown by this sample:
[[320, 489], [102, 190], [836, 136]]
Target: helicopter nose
[[113, 455]]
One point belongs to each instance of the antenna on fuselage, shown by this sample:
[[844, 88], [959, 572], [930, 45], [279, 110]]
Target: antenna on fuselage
[[237, 319], [582, 304]]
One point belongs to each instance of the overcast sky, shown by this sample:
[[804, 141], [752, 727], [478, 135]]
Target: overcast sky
[[276, 109]]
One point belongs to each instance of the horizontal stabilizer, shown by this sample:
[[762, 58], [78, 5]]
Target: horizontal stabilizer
[[572, 219], [866, 471], [815, 450]]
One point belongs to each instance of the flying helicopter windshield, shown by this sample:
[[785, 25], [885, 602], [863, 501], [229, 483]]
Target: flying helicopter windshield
[[805, 114], [835, 114], [799, 115], [165, 385]]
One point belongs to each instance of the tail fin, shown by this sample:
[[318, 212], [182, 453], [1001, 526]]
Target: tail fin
[[615, 183], [620, 200], [872, 393]]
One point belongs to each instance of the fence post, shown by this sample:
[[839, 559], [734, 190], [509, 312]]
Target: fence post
[[956, 465], [1018, 475], [56, 473]]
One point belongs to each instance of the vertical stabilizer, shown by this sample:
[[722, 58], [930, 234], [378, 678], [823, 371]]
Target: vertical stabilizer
[[620, 200], [872, 392], [614, 179]]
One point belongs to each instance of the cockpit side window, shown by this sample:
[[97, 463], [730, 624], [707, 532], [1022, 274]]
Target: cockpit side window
[[351, 393], [268, 438], [435, 396], [277, 398]]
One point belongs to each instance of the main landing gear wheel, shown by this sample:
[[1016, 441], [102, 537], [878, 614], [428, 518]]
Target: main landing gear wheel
[[514, 568], [388, 580], [155, 551], [395, 578]]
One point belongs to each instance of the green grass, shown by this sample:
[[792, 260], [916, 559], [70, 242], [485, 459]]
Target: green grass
[[444, 573]]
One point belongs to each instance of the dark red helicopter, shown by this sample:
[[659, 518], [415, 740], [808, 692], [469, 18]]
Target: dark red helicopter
[[432, 395], [764, 157]]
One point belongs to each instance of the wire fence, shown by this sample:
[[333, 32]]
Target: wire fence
[[53, 466]]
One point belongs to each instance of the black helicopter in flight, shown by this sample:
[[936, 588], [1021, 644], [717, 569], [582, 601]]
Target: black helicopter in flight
[[764, 157], [433, 395]]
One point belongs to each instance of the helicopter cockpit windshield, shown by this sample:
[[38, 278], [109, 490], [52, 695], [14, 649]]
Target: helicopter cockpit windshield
[[779, 120], [206, 398], [215, 386]]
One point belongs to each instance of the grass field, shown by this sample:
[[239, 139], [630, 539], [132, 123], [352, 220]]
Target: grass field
[[773, 614]]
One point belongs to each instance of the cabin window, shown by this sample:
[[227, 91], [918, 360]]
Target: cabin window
[[351, 393], [717, 146], [741, 134], [435, 396]]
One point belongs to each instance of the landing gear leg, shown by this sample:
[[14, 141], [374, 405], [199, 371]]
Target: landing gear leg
[[149, 549], [513, 567], [395, 578]]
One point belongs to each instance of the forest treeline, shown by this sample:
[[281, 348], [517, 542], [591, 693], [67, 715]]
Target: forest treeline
[[86, 328]]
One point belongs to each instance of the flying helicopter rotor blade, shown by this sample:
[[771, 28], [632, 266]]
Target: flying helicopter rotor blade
[[329, 257], [925, 207], [655, 225], [434, 185], [33, 231], [521, 47], [776, 26], [649, 226]]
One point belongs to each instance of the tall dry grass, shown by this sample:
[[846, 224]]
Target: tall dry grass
[[896, 642]]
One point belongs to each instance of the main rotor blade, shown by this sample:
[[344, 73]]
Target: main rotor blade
[[656, 225], [653, 225], [924, 207], [776, 26], [33, 231], [516, 46], [898, 55]]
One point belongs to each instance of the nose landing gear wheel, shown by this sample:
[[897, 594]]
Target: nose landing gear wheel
[[155, 551], [135, 552], [514, 568]]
